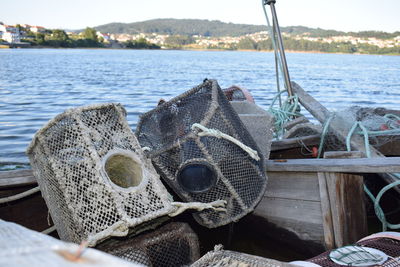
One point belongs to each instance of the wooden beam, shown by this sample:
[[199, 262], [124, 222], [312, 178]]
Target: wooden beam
[[329, 234], [295, 142], [338, 125], [353, 165], [16, 178], [345, 202]]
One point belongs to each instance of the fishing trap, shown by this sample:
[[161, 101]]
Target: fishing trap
[[93, 175], [227, 258], [203, 151], [174, 244]]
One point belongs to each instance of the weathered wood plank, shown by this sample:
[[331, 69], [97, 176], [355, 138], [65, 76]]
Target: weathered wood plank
[[301, 217], [355, 165], [343, 154], [295, 142], [16, 178], [300, 186], [329, 235], [347, 207]]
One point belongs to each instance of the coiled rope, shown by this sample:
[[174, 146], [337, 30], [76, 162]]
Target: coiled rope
[[287, 112]]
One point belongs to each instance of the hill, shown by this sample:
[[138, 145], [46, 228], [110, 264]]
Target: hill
[[189, 27], [217, 28]]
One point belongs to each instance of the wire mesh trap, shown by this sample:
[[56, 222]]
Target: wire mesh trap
[[93, 175], [203, 151], [228, 258], [174, 244]]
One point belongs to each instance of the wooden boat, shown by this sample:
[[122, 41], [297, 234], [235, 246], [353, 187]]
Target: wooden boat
[[310, 205]]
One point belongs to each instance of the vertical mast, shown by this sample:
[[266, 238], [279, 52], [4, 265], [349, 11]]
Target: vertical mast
[[285, 70]]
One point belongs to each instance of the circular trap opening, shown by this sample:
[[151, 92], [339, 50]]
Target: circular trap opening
[[123, 170], [197, 177]]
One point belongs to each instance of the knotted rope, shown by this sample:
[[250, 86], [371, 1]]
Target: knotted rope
[[218, 134]]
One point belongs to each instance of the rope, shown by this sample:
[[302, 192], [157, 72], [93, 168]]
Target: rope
[[49, 230], [378, 209], [285, 113], [218, 205], [218, 134], [366, 137], [323, 135], [20, 195]]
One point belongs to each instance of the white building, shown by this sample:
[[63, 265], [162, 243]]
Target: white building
[[9, 33], [37, 29], [105, 36]]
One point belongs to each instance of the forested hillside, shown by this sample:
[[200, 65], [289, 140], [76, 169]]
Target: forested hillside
[[217, 28]]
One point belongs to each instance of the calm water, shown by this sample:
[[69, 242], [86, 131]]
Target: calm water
[[36, 85]]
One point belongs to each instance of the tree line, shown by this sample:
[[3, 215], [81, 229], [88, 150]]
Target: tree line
[[59, 38], [289, 44]]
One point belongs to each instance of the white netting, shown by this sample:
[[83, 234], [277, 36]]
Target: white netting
[[93, 174], [20, 246], [201, 167]]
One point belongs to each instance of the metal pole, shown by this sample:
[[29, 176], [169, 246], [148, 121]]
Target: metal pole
[[271, 3]]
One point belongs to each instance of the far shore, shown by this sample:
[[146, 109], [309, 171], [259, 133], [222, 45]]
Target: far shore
[[198, 49]]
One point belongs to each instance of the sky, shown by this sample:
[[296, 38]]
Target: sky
[[343, 15]]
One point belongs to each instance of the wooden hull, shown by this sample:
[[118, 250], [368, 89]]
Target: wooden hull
[[311, 205]]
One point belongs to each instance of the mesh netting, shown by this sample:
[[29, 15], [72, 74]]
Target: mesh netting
[[235, 259], [380, 126], [20, 246], [93, 175], [395, 262], [204, 168], [389, 246], [174, 244]]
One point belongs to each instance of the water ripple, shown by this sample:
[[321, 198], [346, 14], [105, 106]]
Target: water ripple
[[38, 84]]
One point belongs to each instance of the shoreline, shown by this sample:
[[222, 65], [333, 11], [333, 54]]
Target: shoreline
[[199, 49]]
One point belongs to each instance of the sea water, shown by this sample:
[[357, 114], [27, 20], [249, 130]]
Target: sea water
[[38, 84]]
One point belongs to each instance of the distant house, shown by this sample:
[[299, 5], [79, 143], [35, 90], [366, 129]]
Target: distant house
[[105, 36], [9, 33], [37, 29]]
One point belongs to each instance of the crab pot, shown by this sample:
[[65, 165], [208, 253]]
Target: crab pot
[[93, 175], [174, 244], [227, 258], [204, 168]]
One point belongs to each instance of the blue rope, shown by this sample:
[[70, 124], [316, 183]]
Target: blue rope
[[323, 135], [378, 209], [285, 113]]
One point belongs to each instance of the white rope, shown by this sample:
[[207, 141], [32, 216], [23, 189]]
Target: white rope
[[49, 230], [20, 195], [218, 205], [218, 134]]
